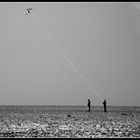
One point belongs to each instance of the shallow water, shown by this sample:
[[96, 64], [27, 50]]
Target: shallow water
[[45, 108], [53, 121]]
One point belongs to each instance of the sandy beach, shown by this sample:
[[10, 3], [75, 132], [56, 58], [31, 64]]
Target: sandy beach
[[69, 122]]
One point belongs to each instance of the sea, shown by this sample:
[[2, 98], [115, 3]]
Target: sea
[[66, 108]]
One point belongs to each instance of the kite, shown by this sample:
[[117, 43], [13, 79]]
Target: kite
[[28, 10]]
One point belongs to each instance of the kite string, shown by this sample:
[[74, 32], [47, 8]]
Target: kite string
[[67, 58]]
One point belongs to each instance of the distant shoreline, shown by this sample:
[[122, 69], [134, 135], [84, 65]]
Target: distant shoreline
[[67, 108], [71, 105]]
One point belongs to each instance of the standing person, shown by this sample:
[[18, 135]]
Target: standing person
[[88, 105], [104, 103]]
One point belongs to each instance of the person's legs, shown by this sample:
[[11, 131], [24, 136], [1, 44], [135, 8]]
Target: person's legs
[[88, 108], [104, 108]]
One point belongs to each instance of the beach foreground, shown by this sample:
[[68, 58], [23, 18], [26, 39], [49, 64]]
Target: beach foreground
[[69, 121]]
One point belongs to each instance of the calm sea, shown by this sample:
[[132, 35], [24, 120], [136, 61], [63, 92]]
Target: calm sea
[[48, 108]]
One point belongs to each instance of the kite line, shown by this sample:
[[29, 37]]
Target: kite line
[[64, 55]]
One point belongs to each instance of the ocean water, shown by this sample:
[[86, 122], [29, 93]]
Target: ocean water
[[61, 108]]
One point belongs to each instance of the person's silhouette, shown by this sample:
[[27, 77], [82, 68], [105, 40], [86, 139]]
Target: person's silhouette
[[104, 103], [88, 105]]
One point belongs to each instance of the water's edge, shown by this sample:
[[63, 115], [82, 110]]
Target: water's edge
[[67, 108]]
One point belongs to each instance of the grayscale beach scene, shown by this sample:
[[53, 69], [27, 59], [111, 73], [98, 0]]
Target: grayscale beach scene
[[69, 69]]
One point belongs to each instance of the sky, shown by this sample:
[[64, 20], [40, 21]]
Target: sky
[[66, 53]]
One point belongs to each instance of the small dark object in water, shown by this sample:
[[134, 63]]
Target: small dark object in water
[[19, 123], [69, 115], [123, 113]]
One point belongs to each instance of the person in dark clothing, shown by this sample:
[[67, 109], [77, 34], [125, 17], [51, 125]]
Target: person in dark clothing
[[104, 103], [88, 105]]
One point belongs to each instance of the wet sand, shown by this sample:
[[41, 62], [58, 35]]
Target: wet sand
[[69, 121]]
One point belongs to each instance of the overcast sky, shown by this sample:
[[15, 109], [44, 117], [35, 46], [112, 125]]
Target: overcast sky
[[100, 39]]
